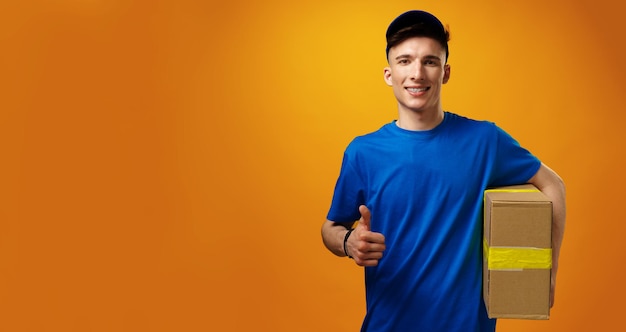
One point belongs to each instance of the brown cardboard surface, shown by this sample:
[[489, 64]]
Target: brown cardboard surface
[[516, 218]]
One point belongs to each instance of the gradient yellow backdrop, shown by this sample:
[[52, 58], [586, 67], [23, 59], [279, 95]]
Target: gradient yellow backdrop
[[166, 165]]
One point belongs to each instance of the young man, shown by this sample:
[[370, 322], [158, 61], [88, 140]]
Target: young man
[[416, 187]]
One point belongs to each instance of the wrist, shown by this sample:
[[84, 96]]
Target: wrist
[[345, 242]]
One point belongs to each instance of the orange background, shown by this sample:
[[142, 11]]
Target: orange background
[[166, 165]]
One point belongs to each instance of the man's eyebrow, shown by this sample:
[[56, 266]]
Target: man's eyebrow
[[403, 56], [432, 57], [407, 56]]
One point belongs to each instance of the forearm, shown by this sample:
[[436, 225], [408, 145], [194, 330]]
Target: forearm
[[553, 187], [333, 235], [556, 193]]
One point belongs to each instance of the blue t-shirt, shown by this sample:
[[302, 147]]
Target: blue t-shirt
[[425, 192]]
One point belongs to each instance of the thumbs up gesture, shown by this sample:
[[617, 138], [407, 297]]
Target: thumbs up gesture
[[365, 246]]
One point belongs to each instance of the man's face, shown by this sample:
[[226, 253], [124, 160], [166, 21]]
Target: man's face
[[416, 72]]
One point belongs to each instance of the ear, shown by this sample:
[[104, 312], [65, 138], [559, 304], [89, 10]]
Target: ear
[[446, 73], [387, 75]]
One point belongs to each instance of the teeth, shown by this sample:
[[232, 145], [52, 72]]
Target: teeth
[[417, 89]]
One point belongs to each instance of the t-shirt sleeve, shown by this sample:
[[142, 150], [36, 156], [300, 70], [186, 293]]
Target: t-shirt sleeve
[[348, 195], [513, 163]]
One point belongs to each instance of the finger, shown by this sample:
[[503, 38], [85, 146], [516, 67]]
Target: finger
[[374, 247], [368, 252], [372, 256], [365, 217], [369, 260], [372, 237]]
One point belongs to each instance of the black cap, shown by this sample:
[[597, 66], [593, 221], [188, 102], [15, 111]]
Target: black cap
[[426, 23]]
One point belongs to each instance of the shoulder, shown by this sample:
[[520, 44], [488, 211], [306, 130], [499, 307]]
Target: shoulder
[[372, 138], [371, 145], [462, 125]]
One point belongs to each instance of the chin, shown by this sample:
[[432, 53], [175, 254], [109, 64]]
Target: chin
[[418, 109]]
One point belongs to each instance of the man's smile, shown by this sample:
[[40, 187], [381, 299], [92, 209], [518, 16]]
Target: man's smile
[[418, 90]]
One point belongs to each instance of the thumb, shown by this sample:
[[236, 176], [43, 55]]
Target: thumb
[[366, 215]]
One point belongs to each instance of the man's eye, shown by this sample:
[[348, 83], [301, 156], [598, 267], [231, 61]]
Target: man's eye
[[403, 61]]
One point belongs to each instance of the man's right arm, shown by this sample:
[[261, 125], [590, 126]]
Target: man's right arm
[[333, 235], [365, 247]]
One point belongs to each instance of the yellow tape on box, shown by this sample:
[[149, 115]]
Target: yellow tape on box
[[520, 258], [511, 191]]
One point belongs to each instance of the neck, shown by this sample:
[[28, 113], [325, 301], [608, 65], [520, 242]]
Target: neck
[[419, 121]]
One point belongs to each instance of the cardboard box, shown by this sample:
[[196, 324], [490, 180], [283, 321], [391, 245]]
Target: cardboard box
[[517, 253]]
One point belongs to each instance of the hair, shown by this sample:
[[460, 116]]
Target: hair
[[421, 30]]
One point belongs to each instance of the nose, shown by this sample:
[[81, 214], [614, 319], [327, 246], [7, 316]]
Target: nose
[[417, 72]]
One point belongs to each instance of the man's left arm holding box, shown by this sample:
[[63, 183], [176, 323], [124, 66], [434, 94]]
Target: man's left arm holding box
[[551, 185]]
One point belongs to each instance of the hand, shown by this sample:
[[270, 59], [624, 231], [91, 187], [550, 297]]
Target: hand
[[555, 267], [365, 247], [552, 288]]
